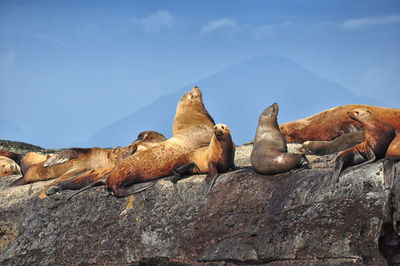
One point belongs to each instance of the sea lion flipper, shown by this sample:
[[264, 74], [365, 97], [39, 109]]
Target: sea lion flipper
[[180, 171], [64, 156], [122, 192], [388, 173], [95, 183], [337, 170], [211, 176]]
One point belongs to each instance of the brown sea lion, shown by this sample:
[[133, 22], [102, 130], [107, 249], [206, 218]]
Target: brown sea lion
[[12, 155], [378, 136], [71, 162], [8, 167], [217, 158], [322, 147], [334, 122], [192, 129], [269, 155], [32, 158], [144, 141]]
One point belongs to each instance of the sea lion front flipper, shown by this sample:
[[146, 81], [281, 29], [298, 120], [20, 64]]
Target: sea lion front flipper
[[122, 192], [180, 171], [95, 183], [211, 176], [388, 173], [65, 156]]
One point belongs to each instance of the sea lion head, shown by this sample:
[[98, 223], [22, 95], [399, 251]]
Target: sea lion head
[[147, 139], [221, 130], [270, 113], [191, 100], [359, 114], [8, 167]]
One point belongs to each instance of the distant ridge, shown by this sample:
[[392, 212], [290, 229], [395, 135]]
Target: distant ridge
[[236, 96]]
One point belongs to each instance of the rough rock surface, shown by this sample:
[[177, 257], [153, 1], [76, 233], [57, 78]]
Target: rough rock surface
[[288, 219]]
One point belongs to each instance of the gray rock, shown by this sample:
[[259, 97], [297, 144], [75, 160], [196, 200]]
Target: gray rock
[[287, 219]]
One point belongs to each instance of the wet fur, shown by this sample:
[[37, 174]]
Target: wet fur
[[269, 155]]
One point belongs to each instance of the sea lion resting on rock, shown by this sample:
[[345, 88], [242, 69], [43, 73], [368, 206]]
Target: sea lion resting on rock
[[269, 155], [144, 141], [32, 158], [12, 155], [378, 136], [192, 129], [218, 157], [74, 161], [334, 122], [8, 167]]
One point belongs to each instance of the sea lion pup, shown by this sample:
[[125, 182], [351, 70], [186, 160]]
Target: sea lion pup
[[32, 158], [144, 141], [8, 167], [269, 155], [192, 129], [322, 147], [378, 136], [334, 122], [217, 158]]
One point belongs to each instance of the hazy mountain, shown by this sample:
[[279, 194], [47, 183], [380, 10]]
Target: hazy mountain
[[10, 131], [236, 96]]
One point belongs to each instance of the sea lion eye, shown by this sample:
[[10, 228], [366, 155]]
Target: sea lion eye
[[140, 136]]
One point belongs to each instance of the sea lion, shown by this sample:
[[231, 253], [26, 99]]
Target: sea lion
[[32, 158], [12, 155], [144, 141], [322, 147], [334, 122], [8, 167], [378, 136], [269, 155], [217, 158], [192, 129]]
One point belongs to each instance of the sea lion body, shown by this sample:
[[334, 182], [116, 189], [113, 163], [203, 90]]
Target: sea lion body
[[145, 140], [332, 123], [378, 136], [32, 158], [12, 155], [217, 158], [269, 155], [192, 129], [8, 167]]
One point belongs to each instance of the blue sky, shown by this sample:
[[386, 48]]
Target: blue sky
[[69, 68]]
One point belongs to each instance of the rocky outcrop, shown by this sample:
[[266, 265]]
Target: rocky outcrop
[[287, 219]]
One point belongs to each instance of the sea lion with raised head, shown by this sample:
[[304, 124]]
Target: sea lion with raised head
[[8, 167], [378, 136], [144, 141], [332, 123], [217, 158], [192, 129], [269, 155]]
